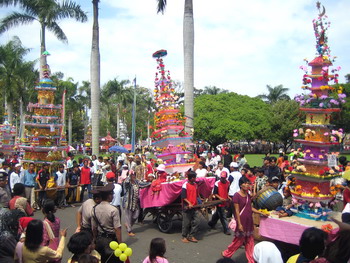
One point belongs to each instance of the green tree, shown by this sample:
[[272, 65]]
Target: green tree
[[275, 94], [284, 119], [213, 90], [229, 116], [188, 45], [47, 13], [15, 74]]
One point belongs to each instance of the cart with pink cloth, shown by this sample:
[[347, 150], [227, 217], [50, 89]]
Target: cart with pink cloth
[[166, 204]]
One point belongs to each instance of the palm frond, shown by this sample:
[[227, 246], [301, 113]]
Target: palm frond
[[69, 9], [57, 31], [15, 19], [161, 6]]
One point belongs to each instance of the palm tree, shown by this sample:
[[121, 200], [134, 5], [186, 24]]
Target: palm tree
[[95, 81], [47, 13], [13, 73], [188, 45], [275, 94]]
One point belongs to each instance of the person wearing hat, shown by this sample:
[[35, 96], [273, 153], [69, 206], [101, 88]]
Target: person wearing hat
[[220, 192], [84, 215], [117, 197], [5, 193], [123, 174], [220, 169], [161, 173], [130, 162], [273, 170], [233, 178], [106, 226], [16, 176]]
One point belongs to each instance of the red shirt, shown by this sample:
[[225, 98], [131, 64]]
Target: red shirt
[[221, 189], [346, 195], [189, 192], [85, 175], [251, 178]]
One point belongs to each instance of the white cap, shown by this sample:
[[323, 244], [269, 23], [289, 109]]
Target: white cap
[[161, 168], [18, 165], [234, 165], [125, 166]]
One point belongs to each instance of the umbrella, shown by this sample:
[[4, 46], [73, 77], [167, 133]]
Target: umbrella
[[128, 146], [120, 149]]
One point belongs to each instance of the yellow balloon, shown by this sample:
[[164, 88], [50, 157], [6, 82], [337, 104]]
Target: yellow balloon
[[123, 246], [123, 257], [128, 252], [113, 245], [117, 252]]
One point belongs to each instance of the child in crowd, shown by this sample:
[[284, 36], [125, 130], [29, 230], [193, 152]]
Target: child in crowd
[[156, 251], [284, 210], [51, 231]]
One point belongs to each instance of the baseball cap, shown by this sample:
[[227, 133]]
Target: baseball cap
[[125, 166], [274, 178], [18, 165], [161, 168], [110, 175], [234, 165], [223, 174]]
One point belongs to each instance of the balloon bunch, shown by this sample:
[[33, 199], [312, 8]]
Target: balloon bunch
[[121, 250]]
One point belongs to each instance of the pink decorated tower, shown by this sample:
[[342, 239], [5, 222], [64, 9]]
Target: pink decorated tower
[[169, 136], [318, 136]]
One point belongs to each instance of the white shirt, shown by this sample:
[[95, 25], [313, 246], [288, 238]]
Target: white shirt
[[117, 195], [234, 187], [14, 179], [61, 178], [218, 171], [212, 162], [201, 173]]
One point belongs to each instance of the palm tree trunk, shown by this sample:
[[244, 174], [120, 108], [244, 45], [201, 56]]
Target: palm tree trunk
[[95, 81], [188, 43], [70, 120], [43, 60], [21, 123], [10, 111], [118, 122]]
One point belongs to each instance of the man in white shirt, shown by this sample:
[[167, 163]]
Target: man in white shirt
[[201, 171], [117, 197], [233, 178], [220, 169], [211, 160], [60, 179], [16, 176]]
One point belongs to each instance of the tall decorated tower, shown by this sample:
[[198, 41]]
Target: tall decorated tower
[[169, 137], [318, 136], [45, 140]]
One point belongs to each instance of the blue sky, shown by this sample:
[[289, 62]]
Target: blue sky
[[240, 46]]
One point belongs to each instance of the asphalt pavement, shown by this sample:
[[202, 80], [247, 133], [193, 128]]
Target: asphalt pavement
[[208, 249]]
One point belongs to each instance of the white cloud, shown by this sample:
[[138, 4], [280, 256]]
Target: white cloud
[[239, 45]]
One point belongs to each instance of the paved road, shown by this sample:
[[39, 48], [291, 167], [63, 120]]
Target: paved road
[[207, 250]]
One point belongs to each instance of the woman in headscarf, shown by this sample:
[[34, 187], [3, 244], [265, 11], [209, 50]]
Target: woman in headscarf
[[9, 233]]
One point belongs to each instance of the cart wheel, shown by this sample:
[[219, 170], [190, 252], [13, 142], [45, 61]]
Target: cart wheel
[[164, 221]]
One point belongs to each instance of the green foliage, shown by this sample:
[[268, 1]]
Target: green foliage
[[284, 119], [341, 120], [275, 94], [229, 116]]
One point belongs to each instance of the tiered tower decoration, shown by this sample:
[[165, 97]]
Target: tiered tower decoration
[[318, 166], [7, 137], [169, 137], [44, 138]]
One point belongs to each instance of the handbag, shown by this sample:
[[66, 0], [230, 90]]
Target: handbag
[[233, 223]]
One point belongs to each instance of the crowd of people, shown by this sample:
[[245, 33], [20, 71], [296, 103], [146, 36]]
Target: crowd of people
[[108, 190]]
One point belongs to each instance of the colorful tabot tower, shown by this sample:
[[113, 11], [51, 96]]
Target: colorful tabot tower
[[7, 137], [44, 137], [318, 166], [169, 136]]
